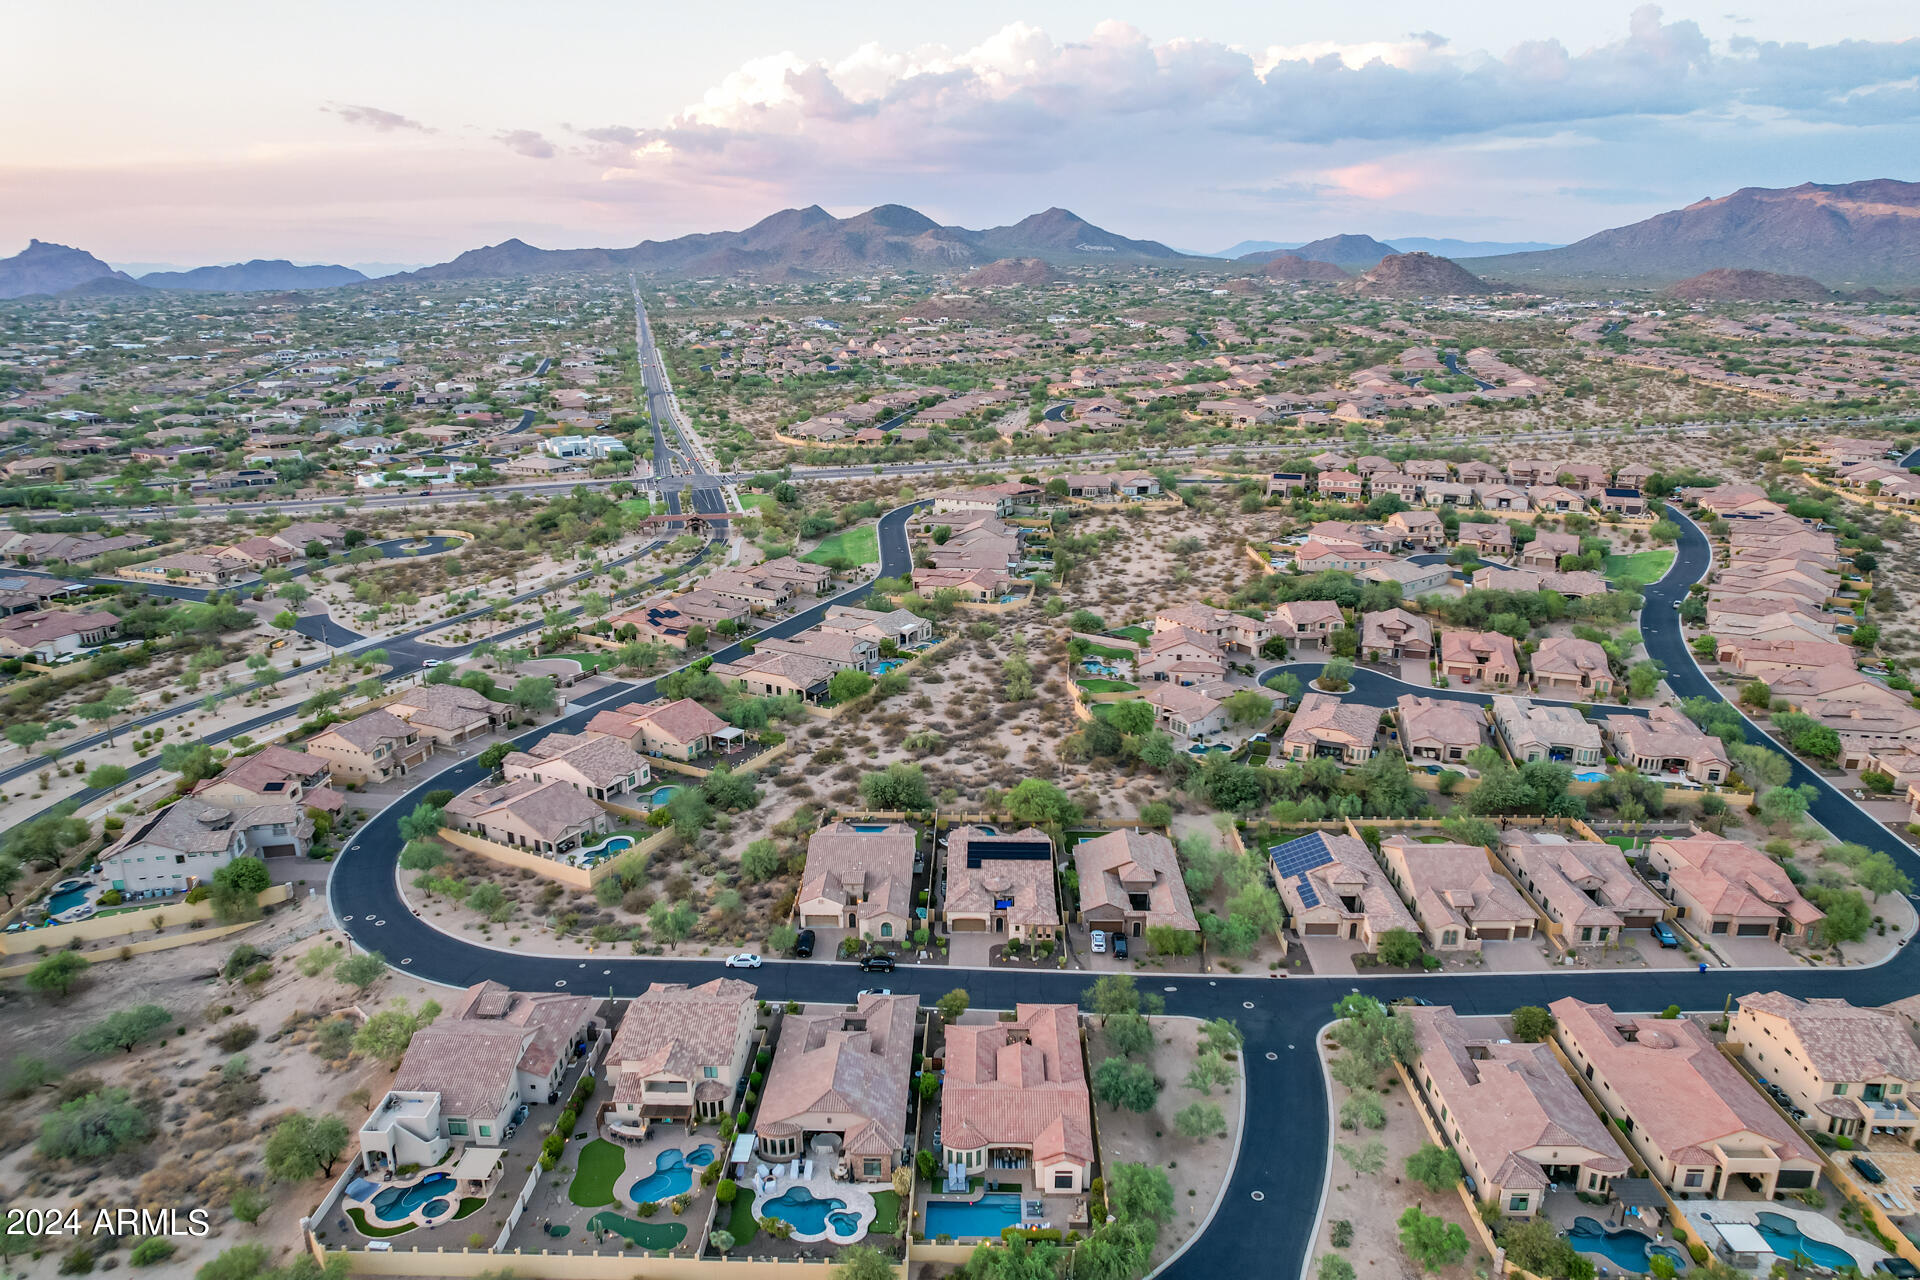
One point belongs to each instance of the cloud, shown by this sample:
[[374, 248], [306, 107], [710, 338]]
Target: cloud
[[376, 118], [527, 142]]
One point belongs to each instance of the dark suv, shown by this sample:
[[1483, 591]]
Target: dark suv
[[876, 964], [803, 944]]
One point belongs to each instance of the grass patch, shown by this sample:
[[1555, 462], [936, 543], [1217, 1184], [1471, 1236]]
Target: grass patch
[[860, 544], [886, 1213], [743, 1224], [1140, 634], [1095, 685], [758, 501], [1110, 653], [1104, 710], [648, 1235], [601, 1164], [469, 1205], [1638, 569], [361, 1225], [1626, 844], [643, 507], [590, 661]]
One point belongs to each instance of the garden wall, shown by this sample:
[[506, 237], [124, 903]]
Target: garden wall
[[127, 923], [577, 1266]]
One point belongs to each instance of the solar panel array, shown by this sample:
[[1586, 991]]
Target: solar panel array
[[1295, 858], [1007, 850]]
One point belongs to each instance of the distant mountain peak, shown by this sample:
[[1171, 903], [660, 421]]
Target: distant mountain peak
[[262, 275], [1419, 275], [46, 267]]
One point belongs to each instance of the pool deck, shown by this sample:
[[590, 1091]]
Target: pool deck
[[451, 1193], [820, 1186], [1703, 1214]]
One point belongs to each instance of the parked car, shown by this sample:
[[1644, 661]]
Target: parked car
[[743, 960], [876, 964], [876, 991], [803, 944], [1898, 1267], [1120, 945], [1098, 941], [1867, 1169], [1664, 935]]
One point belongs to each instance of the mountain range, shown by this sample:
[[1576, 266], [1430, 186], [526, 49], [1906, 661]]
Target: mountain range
[[247, 277], [1445, 248], [61, 270]]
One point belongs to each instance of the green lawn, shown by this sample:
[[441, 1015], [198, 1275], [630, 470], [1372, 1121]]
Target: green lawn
[[648, 1235], [601, 1164], [1140, 634], [757, 501], [590, 661], [1104, 710], [1626, 844], [1107, 686], [886, 1213], [1110, 653], [470, 1205], [1638, 569], [860, 544], [376, 1233], [643, 507], [742, 1224]]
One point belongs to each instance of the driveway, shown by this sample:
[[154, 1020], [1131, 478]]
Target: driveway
[[1522, 955], [1332, 955]]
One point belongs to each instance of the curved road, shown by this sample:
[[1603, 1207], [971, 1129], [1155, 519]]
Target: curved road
[[1283, 1153]]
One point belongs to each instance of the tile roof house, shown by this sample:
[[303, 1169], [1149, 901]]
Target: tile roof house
[[1763, 657], [1130, 882], [1725, 887], [273, 774], [182, 845], [1019, 1089], [1421, 530], [547, 818], [1395, 633], [1587, 890], [1852, 1070], [679, 730], [1456, 894], [903, 627], [860, 880], [1412, 577], [1001, 883], [837, 1090], [1517, 1121], [370, 748], [1542, 731], [48, 635], [680, 1051], [1570, 667], [1179, 656], [1437, 730], [1189, 710], [775, 674], [1665, 741], [1326, 725], [1701, 1129], [601, 767], [1484, 659], [449, 713], [1332, 888], [1232, 632], [1546, 549], [1577, 583], [1307, 624]]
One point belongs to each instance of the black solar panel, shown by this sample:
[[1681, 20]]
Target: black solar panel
[[1302, 854], [1007, 850]]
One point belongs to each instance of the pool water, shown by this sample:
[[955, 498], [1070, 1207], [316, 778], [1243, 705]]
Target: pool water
[[1783, 1235], [988, 1216], [434, 1208], [396, 1203], [672, 1175], [869, 827], [66, 900], [810, 1214], [1589, 775], [881, 668], [1627, 1249], [662, 794]]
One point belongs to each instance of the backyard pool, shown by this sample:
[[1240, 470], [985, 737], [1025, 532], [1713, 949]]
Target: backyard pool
[[1589, 775], [661, 795], [988, 1216], [1784, 1236], [672, 1175], [869, 827], [397, 1203], [608, 847], [810, 1214], [1627, 1249], [64, 899], [882, 668]]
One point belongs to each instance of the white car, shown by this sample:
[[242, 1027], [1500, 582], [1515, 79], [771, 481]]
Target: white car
[[430, 662], [743, 960], [1099, 940]]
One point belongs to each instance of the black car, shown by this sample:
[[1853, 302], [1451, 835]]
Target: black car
[[1868, 1170], [1898, 1267], [803, 944], [1120, 945], [876, 964]]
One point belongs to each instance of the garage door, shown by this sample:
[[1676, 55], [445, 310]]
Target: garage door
[[1753, 931], [966, 926], [1495, 935], [1637, 922], [820, 922], [1321, 930], [279, 850]]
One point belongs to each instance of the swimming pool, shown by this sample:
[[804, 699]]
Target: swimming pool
[[672, 1175], [869, 827], [661, 795], [988, 1216], [1589, 775], [811, 1215], [1783, 1235], [1628, 1249], [65, 900], [881, 668], [608, 847], [396, 1203]]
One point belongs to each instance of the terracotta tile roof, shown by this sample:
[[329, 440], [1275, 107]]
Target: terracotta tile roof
[[1455, 884], [366, 732], [1020, 1083], [846, 1071], [676, 1030], [472, 1066], [1728, 878], [553, 1018], [1115, 866], [1568, 876], [682, 721], [872, 866], [1323, 716], [1028, 883], [1843, 1042]]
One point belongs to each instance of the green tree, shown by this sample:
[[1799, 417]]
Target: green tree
[[847, 685], [1532, 1024], [150, 1251], [1115, 993], [863, 1262], [421, 855], [423, 823], [58, 974], [1848, 916], [1131, 1085], [1400, 947], [494, 756], [1038, 803], [760, 860], [1129, 1034], [1247, 708], [387, 1034], [533, 693], [1133, 716], [94, 1126], [1140, 1193], [106, 777], [1431, 1241], [360, 970], [1210, 1068], [123, 1029], [1433, 1167], [241, 1262], [953, 1004], [304, 1146], [900, 787], [1200, 1120], [245, 874], [1333, 1267], [1877, 874]]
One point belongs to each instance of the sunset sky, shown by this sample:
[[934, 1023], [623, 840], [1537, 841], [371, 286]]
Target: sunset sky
[[200, 132]]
